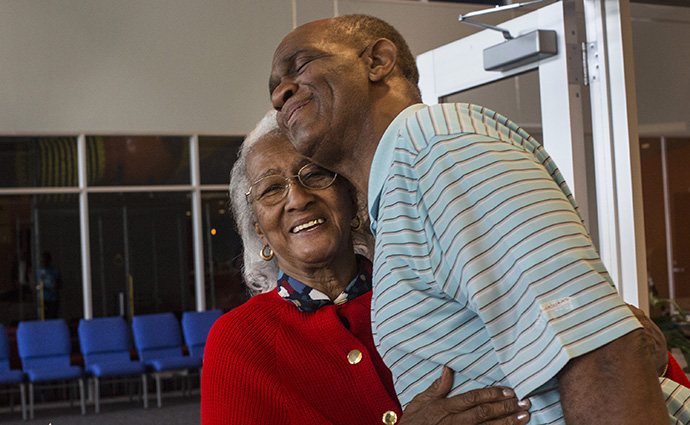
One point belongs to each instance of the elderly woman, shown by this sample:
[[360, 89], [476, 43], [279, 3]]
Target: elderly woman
[[302, 352]]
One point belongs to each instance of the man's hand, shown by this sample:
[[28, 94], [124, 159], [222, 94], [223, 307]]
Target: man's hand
[[489, 406]]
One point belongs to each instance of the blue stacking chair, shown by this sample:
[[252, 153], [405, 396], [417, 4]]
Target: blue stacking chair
[[158, 340], [105, 345], [10, 377], [44, 348], [195, 328]]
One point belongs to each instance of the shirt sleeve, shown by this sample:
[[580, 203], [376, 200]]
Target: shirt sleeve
[[677, 399], [517, 253]]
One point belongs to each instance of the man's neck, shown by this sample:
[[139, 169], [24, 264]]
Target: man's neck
[[356, 165], [356, 169]]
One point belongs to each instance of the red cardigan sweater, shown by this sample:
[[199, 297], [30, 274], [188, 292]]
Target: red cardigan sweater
[[266, 362], [675, 373]]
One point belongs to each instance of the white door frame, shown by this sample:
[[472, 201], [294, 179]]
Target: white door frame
[[458, 66]]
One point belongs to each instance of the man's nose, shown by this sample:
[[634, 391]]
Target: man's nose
[[282, 93]]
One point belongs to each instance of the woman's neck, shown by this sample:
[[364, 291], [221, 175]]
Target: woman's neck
[[331, 279]]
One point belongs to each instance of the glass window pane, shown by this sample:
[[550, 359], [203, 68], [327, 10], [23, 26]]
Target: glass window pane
[[509, 98], [666, 181], [223, 254], [38, 161], [216, 156], [678, 155], [141, 253], [137, 160], [39, 238]]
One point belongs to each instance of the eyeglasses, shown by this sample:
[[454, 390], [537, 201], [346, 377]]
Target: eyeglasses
[[272, 189]]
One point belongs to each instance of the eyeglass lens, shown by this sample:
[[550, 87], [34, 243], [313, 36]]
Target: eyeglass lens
[[271, 189]]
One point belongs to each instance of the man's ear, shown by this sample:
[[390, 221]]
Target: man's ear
[[381, 56]]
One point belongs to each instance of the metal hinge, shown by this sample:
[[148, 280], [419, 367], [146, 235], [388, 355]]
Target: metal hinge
[[590, 62], [585, 71]]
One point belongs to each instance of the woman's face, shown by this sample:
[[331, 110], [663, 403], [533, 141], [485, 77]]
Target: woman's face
[[308, 228]]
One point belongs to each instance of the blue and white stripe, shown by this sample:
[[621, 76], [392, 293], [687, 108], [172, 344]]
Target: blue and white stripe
[[482, 261]]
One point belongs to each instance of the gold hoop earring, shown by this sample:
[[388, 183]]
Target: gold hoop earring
[[266, 257], [358, 226]]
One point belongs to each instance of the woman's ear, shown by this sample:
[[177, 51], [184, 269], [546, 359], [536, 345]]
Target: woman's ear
[[354, 204], [380, 57], [260, 233]]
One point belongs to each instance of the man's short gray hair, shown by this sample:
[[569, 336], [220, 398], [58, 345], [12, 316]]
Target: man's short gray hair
[[260, 275]]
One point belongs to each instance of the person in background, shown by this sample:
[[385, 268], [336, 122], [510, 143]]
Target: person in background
[[482, 262], [301, 351], [49, 285]]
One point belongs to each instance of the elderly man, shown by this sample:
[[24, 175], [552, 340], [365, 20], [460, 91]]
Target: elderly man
[[482, 261]]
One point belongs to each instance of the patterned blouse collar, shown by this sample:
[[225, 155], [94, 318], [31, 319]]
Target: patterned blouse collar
[[308, 299]]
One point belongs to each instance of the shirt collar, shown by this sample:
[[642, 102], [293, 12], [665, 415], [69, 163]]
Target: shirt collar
[[308, 299], [383, 157]]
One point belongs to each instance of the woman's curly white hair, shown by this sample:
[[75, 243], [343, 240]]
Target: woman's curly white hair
[[260, 275]]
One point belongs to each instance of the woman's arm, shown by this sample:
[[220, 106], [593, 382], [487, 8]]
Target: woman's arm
[[238, 384]]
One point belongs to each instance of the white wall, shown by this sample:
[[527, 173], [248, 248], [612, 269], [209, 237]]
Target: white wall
[[165, 66], [136, 65], [201, 66]]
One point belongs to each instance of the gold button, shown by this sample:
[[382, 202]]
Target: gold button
[[390, 418], [354, 356]]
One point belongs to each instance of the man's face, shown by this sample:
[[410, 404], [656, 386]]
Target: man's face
[[319, 86]]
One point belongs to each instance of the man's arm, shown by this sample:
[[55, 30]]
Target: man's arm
[[614, 384], [657, 341]]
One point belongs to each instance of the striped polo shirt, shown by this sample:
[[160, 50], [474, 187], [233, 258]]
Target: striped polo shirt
[[482, 262]]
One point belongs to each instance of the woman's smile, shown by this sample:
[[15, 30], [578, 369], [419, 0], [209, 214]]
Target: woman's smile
[[309, 225]]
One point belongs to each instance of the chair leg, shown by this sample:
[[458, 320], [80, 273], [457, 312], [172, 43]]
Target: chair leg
[[145, 390], [200, 371], [22, 397], [31, 400], [97, 394], [81, 396], [68, 391], [158, 389]]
